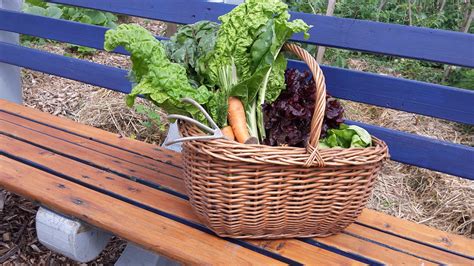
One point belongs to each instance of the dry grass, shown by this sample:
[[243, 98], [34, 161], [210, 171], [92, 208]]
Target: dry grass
[[420, 195]]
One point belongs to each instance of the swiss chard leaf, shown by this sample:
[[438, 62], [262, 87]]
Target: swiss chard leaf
[[250, 39], [189, 45], [155, 76]]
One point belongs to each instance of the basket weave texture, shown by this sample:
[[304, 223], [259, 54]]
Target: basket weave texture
[[258, 191]]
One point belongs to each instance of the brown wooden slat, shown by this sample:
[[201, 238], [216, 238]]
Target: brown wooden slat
[[417, 232], [89, 155], [152, 231], [306, 254], [407, 246], [149, 150], [410, 230], [370, 250], [142, 161], [142, 194], [179, 207]]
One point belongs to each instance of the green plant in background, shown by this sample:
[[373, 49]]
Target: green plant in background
[[89, 16], [462, 78], [448, 15], [154, 118], [83, 15], [307, 6], [39, 8]]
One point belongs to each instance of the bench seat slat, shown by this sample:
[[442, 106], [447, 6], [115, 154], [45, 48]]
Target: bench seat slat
[[152, 231], [410, 247], [101, 161], [419, 43], [177, 206], [422, 234], [92, 133], [396, 93], [142, 163], [169, 202]]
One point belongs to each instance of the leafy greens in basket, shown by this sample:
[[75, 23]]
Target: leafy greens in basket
[[210, 62], [157, 78], [238, 61], [247, 62], [288, 119], [346, 137], [190, 45]]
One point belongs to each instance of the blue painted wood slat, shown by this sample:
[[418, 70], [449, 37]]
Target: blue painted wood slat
[[406, 95], [407, 148], [71, 68], [401, 94], [412, 42], [425, 152], [54, 29]]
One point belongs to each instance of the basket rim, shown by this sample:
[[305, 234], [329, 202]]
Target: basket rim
[[233, 151]]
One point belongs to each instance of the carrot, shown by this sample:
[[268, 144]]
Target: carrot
[[228, 133], [237, 120]]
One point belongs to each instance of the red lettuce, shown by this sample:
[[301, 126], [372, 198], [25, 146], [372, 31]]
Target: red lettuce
[[288, 119]]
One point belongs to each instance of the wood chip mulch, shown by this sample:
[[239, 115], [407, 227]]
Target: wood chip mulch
[[19, 244]]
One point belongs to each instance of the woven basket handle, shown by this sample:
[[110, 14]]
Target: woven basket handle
[[320, 105]]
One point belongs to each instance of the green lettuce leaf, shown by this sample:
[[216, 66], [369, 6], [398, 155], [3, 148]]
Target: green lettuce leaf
[[154, 75], [346, 137]]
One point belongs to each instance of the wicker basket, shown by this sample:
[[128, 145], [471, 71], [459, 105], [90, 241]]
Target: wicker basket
[[258, 191]]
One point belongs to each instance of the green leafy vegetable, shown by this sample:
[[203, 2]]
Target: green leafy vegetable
[[346, 137], [190, 45], [155, 76], [246, 61]]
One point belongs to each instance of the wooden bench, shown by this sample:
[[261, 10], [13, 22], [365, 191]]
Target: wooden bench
[[134, 190]]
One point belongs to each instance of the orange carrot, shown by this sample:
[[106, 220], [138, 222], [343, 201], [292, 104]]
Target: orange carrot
[[228, 133], [237, 120]]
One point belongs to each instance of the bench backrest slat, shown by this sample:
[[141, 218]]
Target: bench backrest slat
[[425, 152], [397, 93], [67, 67], [418, 97], [390, 39], [404, 147]]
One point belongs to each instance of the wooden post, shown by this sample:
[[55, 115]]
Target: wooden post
[[381, 5], [441, 5], [10, 79], [322, 49], [409, 13], [468, 17]]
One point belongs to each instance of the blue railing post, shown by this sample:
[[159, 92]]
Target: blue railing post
[[10, 80]]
